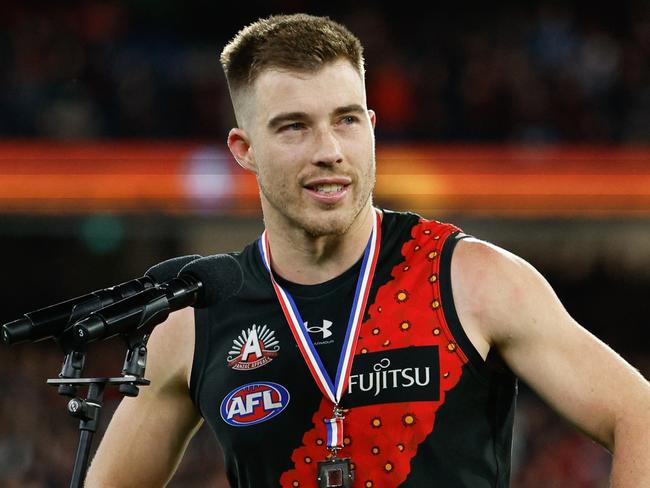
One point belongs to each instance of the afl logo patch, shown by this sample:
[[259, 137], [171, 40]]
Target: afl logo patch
[[253, 348], [253, 403]]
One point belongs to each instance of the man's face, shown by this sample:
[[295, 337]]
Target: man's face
[[311, 143]]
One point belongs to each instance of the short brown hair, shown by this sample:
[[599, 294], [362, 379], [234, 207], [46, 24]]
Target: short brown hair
[[297, 42]]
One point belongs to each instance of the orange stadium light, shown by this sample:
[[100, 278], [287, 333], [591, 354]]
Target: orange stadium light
[[517, 181], [45, 177]]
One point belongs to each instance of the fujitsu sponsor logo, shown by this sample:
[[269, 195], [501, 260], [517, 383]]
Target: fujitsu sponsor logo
[[393, 376], [253, 348], [253, 403], [383, 377]]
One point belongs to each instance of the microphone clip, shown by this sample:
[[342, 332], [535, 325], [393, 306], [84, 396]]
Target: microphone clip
[[135, 362]]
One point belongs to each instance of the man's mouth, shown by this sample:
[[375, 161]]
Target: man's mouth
[[327, 188], [328, 191]]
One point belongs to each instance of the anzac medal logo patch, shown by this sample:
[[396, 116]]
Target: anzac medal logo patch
[[253, 348]]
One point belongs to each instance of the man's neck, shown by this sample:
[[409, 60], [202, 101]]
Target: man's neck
[[304, 259]]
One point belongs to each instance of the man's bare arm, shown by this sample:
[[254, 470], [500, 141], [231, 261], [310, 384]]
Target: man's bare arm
[[504, 303], [149, 433]]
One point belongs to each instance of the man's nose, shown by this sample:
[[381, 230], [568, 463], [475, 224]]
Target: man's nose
[[328, 149]]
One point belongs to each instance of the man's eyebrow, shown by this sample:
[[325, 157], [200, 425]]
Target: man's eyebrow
[[286, 117], [352, 108], [282, 118]]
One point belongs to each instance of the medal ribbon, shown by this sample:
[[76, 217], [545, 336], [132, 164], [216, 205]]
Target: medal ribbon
[[332, 390], [334, 427]]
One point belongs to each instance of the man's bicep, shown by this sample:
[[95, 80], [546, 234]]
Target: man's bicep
[[144, 442], [572, 370], [148, 434]]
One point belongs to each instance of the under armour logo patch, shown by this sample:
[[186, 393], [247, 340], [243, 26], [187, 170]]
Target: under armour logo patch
[[325, 329]]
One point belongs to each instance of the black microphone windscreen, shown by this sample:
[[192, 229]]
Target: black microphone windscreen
[[169, 269], [221, 277]]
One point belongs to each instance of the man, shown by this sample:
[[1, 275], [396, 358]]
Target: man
[[366, 348]]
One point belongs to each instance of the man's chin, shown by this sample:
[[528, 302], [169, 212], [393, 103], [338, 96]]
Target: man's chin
[[326, 228], [327, 222], [332, 221]]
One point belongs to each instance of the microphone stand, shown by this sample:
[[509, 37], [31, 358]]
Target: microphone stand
[[87, 410]]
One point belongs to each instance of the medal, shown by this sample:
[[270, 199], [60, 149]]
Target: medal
[[333, 470]]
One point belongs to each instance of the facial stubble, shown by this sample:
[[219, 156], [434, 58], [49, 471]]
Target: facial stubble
[[318, 228]]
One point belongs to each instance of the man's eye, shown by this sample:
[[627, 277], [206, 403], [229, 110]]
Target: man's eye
[[349, 119], [294, 126]]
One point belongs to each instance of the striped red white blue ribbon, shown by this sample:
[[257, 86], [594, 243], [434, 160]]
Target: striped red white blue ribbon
[[331, 389], [334, 428]]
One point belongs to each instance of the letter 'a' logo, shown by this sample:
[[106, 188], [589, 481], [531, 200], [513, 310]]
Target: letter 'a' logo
[[254, 403], [253, 348]]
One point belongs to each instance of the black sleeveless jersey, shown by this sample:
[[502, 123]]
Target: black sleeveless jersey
[[423, 408]]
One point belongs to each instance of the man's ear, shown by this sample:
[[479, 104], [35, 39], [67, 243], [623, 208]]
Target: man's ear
[[373, 117], [239, 145]]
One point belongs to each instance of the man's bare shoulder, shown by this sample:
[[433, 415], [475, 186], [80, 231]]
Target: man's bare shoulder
[[480, 255], [172, 346], [492, 286], [481, 268]]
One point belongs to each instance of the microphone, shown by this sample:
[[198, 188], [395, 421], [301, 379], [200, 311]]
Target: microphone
[[52, 321], [201, 283]]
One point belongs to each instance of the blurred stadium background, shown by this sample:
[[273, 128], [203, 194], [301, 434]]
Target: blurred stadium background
[[526, 124]]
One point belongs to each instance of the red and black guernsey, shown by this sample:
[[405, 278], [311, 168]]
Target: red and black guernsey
[[424, 409]]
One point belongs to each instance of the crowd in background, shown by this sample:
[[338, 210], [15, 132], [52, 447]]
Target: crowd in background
[[507, 72]]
